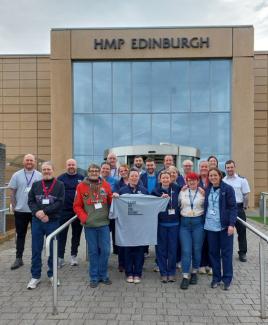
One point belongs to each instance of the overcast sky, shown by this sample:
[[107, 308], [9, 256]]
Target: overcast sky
[[25, 24]]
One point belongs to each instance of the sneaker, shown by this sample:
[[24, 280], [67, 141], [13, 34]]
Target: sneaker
[[171, 278], [93, 284], [61, 262], [214, 284], [33, 283], [106, 281], [210, 272], [164, 279], [73, 260], [226, 286], [242, 257], [193, 279], [51, 280], [18, 263], [136, 279], [202, 270], [146, 255], [184, 284], [156, 268], [130, 279], [178, 266]]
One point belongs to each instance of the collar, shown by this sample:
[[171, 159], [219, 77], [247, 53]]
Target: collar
[[230, 177]]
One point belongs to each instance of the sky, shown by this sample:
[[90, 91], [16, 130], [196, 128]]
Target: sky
[[25, 24]]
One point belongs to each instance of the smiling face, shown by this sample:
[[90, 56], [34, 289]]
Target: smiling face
[[47, 171], [173, 174], [29, 162], [168, 161], [112, 159], [138, 162], [105, 170], [230, 169], [165, 179], [203, 168], [192, 183], [150, 166], [123, 172], [133, 178], [71, 166], [214, 177], [187, 166], [213, 162]]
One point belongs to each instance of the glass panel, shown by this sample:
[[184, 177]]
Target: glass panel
[[160, 128], [102, 87], [180, 86], [83, 135], [220, 85], [200, 132], [121, 130], [102, 133], [220, 133], [180, 129], [141, 128], [82, 85], [141, 83], [160, 87], [122, 87], [199, 83], [83, 162]]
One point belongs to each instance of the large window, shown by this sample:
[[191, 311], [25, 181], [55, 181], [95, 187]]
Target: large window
[[186, 102]]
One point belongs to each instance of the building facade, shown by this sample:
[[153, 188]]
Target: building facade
[[99, 88]]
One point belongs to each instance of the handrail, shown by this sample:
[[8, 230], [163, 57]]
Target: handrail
[[264, 194], [55, 260], [3, 207], [262, 263]]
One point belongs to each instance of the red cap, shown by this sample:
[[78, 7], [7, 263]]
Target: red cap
[[193, 176]]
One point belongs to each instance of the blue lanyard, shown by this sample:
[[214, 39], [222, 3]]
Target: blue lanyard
[[28, 182], [192, 199], [214, 200]]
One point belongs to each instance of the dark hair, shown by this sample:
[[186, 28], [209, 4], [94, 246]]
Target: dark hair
[[139, 156], [149, 159], [229, 162], [165, 171], [214, 158], [105, 163], [93, 166], [216, 170], [133, 169]]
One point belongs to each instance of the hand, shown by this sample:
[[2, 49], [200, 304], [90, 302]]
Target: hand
[[45, 219], [230, 230], [201, 191], [184, 188], [164, 195], [115, 195], [40, 214]]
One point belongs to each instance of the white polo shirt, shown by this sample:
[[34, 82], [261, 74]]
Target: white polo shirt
[[240, 186]]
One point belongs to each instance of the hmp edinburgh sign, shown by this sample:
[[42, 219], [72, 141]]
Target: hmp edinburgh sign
[[152, 43]]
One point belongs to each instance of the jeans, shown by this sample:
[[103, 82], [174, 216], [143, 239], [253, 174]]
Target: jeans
[[191, 237], [221, 250], [22, 220], [76, 234], [134, 260], [167, 239], [98, 243], [39, 230]]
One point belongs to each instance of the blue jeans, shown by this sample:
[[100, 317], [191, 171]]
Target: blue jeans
[[191, 237], [39, 230], [221, 250], [134, 260], [167, 239], [98, 243]]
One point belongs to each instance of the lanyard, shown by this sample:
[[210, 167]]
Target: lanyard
[[214, 200], [192, 199], [171, 192], [28, 182], [48, 191], [95, 188]]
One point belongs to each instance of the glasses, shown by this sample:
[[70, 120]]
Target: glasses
[[93, 171]]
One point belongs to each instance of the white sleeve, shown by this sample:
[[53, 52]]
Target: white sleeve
[[245, 186]]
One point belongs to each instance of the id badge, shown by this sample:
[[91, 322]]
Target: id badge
[[98, 206], [27, 189], [45, 201], [171, 211], [212, 212]]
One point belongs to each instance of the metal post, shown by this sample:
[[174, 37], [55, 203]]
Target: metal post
[[5, 214], [262, 280], [55, 276], [264, 208]]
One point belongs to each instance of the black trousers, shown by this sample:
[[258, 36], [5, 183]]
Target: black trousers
[[112, 230], [76, 235], [241, 230], [22, 220]]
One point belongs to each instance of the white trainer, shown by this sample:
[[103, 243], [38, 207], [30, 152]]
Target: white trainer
[[73, 260], [33, 283], [51, 280], [61, 262]]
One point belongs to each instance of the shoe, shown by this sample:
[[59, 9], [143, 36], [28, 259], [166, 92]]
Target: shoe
[[136, 279], [73, 260], [130, 279], [33, 283], [93, 284], [61, 262], [193, 279], [51, 280], [18, 263], [106, 281], [164, 279], [171, 278], [121, 268], [178, 266], [202, 270], [146, 255], [214, 284], [156, 268], [242, 257], [226, 286], [184, 284]]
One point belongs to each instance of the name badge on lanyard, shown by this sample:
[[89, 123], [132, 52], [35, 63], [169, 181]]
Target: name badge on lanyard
[[97, 206], [47, 191], [28, 182], [171, 211], [27, 189], [45, 201]]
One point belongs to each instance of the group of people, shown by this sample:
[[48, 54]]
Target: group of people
[[189, 218]]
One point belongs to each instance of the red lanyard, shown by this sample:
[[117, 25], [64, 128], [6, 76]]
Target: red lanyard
[[48, 191]]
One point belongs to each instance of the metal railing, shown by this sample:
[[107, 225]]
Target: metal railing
[[55, 260], [4, 209], [265, 196], [263, 238]]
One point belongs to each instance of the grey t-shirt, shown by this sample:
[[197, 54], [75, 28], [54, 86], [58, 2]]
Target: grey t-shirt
[[22, 181], [136, 217]]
